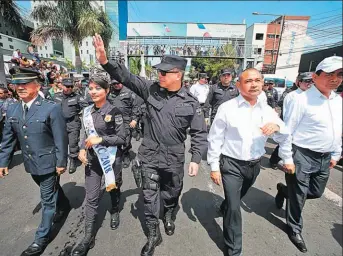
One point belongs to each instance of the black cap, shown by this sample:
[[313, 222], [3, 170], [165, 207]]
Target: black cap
[[226, 71], [169, 62], [113, 81], [24, 75], [269, 81], [203, 75], [305, 76], [68, 82]]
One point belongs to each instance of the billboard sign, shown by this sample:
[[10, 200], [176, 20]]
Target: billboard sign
[[186, 30], [216, 30], [156, 29]]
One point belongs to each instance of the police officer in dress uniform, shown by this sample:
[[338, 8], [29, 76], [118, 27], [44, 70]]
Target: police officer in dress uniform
[[72, 105], [40, 127], [170, 111], [130, 114], [219, 93], [108, 123]]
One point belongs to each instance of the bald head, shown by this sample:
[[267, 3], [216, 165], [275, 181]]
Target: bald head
[[248, 70], [250, 84]]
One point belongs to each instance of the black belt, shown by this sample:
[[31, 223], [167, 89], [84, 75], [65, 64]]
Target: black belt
[[243, 162], [311, 152]]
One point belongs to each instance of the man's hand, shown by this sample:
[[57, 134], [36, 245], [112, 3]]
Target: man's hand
[[83, 156], [332, 163], [60, 170], [269, 128], [92, 140], [133, 123], [289, 168], [216, 177], [207, 121], [3, 171], [100, 49], [193, 169]]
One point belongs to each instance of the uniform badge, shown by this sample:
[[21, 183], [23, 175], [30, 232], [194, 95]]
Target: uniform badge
[[108, 118], [199, 111], [118, 119]]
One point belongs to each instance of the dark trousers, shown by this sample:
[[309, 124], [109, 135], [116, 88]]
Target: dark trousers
[[127, 146], [274, 158], [309, 181], [237, 176], [51, 195], [94, 185], [161, 185], [73, 139]]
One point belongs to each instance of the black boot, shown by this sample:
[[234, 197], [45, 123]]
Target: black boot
[[115, 218], [87, 242], [72, 165], [126, 160], [154, 239], [169, 226]]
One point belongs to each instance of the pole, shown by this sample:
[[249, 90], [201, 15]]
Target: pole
[[278, 49], [273, 50]]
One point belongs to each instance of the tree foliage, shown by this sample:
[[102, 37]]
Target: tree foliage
[[135, 66]]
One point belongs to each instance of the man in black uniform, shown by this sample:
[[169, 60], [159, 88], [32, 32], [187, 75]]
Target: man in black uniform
[[170, 111], [130, 114], [269, 93], [219, 93], [274, 92], [71, 107]]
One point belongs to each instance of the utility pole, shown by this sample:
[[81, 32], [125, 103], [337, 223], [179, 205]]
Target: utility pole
[[278, 48]]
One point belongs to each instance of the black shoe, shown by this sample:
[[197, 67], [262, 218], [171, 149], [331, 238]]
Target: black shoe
[[298, 241], [279, 198], [72, 165], [126, 161], [168, 221], [154, 239], [86, 244], [62, 213], [33, 250], [115, 220]]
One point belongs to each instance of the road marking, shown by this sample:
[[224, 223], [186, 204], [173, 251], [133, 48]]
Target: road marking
[[328, 194]]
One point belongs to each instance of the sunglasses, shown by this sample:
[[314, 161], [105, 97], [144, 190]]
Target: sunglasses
[[164, 73], [69, 86], [306, 81]]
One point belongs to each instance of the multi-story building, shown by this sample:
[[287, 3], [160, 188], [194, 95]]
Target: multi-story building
[[256, 35]]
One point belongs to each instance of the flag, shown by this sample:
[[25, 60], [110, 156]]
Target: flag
[[166, 28]]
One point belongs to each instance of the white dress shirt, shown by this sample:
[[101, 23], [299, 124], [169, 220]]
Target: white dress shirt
[[287, 101], [29, 103], [315, 122], [200, 91], [236, 132]]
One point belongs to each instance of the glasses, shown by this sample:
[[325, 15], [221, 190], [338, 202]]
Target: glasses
[[69, 86], [306, 81], [164, 73]]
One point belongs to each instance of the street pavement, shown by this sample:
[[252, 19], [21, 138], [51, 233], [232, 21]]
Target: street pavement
[[198, 222]]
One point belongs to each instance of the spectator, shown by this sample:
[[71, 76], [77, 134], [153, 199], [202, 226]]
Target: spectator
[[16, 56]]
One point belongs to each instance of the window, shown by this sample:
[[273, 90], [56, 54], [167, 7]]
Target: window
[[10, 40], [273, 36], [257, 51], [259, 36], [0, 37], [11, 47], [86, 43], [81, 51], [80, 43], [268, 52], [12, 33], [46, 55], [87, 51], [40, 48], [1, 45], [46, 48], [6, 32], [41, 54]]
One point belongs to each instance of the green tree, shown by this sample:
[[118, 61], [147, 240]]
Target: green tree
[[135, 66], [212, 66], [9, 11], [74, 20]]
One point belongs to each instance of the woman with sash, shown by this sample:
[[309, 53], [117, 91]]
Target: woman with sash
[[101, 154]]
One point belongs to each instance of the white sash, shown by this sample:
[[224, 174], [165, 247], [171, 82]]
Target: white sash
[[106, 155]]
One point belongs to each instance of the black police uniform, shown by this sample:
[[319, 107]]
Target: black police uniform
[[217, 95], [162, 151], [270, 99], [141, 116], [108, 123], [41, 130], [72, 105], [130, 112]]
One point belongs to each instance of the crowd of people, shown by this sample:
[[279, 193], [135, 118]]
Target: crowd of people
[[230, 121]]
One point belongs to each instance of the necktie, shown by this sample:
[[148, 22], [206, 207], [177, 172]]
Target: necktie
[[26, 109]]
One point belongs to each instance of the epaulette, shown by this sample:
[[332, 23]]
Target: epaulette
[[191, 95]]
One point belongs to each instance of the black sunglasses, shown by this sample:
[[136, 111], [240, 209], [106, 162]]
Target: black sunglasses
[[306, 81], [69, 86], [164, 73]]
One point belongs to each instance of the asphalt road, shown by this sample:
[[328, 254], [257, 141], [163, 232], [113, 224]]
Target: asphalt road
[[198, 223]]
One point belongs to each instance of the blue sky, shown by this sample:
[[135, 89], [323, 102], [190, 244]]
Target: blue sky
[[232, 12]]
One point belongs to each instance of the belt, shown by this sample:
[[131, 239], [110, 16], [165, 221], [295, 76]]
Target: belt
[[156, 146], [311, 152], [243, 162]]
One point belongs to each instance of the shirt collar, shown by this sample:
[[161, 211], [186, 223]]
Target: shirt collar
[[314, 90], [241, 100], [103, 109], [28, 104]]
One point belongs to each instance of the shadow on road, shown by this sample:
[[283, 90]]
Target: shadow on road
[[337, 233], [75, 194], [16, 160], [137, 210], [204, 206], [263, 204]]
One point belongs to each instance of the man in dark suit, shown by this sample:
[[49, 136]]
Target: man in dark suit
[[39, 126]]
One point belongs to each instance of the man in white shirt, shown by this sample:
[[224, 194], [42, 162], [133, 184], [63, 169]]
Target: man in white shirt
[[236, 144], [304, 83], [201, 88], [314, 119]]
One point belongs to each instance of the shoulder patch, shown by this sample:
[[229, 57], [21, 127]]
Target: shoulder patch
[[118, 119], [198, 110]]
